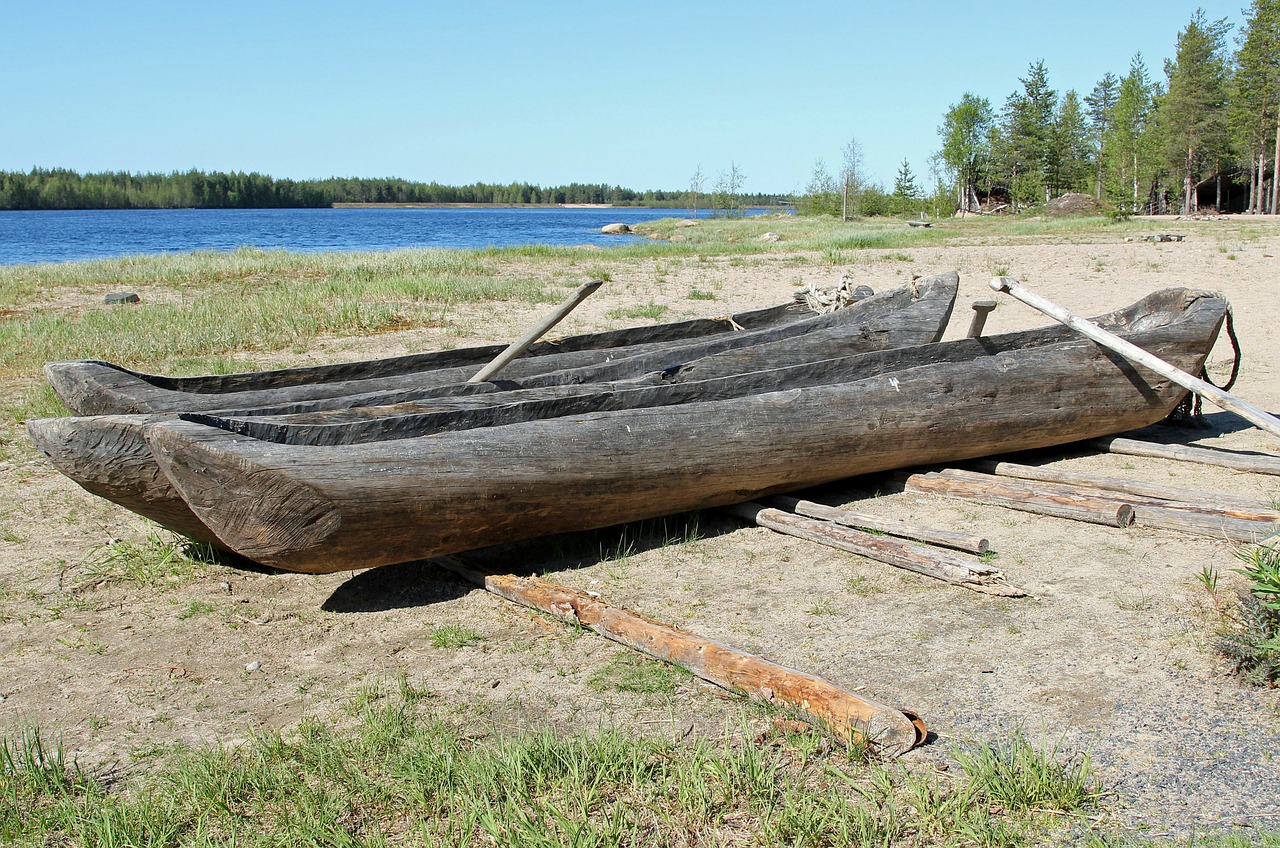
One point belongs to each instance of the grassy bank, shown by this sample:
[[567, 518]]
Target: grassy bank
[[404, 771]]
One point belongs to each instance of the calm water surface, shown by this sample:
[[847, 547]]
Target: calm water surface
[[27, 237]]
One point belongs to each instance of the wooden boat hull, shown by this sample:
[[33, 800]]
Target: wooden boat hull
[[91, 387], [107, 455], [332, 508]]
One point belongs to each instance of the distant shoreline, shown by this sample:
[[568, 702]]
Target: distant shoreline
[[491, 206]]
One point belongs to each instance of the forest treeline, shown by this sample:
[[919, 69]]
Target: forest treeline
[[1207, 134], [57, 188]]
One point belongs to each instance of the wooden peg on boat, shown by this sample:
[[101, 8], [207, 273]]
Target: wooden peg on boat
[[981, 309]]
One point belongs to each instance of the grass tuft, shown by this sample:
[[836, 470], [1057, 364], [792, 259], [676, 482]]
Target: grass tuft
[[1021, 778]]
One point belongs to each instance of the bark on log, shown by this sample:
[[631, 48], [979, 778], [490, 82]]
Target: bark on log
[[890, 731], [1258, 463], [940, 565], [1010, 495], [1115, 484], [1238, 525], [862, 521]]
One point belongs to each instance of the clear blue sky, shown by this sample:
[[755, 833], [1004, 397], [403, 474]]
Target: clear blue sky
[[635, 94]]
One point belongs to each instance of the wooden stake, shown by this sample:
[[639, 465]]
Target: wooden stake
[[862, 521], [1259, 463], [536, 332], [940, 565], [890, 731], [1135, 354]]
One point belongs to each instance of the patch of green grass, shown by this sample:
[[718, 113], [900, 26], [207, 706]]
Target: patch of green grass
[[1023, 779], [158, 560], [453, 636], [651, 310], [823, 606], [864, 586], [404, 770], [629, 672], [700, 294], [196, 608]]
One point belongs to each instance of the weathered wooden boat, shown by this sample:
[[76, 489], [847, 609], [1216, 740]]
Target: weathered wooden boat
[[330, 507], [107, 455], [91, 387]]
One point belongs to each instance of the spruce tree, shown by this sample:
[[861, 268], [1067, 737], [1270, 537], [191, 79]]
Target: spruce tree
[[905, 190]]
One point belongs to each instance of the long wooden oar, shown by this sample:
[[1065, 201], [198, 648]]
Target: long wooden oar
[[1135, 354], [522, 344]]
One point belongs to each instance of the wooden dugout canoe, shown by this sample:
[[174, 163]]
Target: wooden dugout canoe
[[335, 507], [91, 387], [107, 455]]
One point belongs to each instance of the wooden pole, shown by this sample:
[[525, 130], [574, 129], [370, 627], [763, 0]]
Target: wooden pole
[[1238, 525], [940, 565], [1135, 354], [1257, 463], [522, 344], [1009, 494], [892, 526], [890, 731], [1115, 484]]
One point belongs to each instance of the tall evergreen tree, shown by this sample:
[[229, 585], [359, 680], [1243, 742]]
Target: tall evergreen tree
[[1131, 140], [1068, 147], [905, 190], [1101, 104], [1193, 115], [1255, 99], [1027, 120]]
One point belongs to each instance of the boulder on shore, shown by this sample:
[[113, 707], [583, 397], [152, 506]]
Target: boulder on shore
[[615, 229]]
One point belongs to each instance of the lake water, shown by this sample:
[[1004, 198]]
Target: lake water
[[27, 237]]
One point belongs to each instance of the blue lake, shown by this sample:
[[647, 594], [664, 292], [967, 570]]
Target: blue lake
[[27, 237]]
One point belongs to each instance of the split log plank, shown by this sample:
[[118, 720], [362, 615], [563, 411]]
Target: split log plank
[[1258, 463], [939, 565], [1114, 484], [1006, 494], [892, 526], [890, 731]]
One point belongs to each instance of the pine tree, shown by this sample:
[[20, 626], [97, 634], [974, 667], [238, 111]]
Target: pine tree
[[1068, 147], [1101, 103], [1028, 129], [1193, 115], [1130, 159], [1255, 98]]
